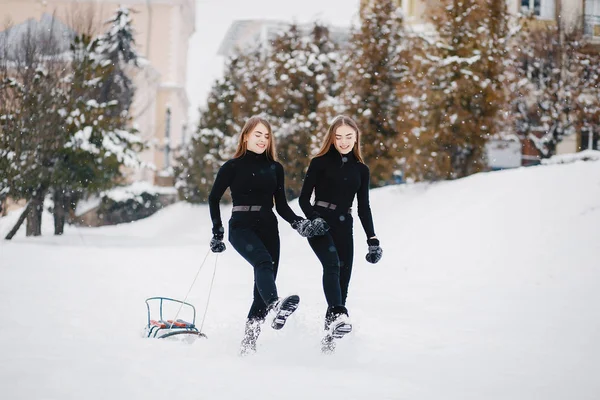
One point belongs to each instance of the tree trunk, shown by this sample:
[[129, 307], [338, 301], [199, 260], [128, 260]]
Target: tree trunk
[[61, 207], [3, 210], [73, 199], [15, 228], [34, 218]]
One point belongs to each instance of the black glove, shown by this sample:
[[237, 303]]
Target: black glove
[[375, 252], [303, 227], [216, 243], [319, 227]]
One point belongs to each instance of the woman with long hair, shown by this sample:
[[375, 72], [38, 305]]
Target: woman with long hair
[[336, 175], [256, 181]]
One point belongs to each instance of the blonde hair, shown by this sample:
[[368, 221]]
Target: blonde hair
[[249, 126], [330, 136]]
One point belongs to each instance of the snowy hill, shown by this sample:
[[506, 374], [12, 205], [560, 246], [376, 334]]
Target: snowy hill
[[488, 289]]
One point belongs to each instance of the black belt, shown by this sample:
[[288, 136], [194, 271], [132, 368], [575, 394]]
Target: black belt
[[246, 208], [330, 206]]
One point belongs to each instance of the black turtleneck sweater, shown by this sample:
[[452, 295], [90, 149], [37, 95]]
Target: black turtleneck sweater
[[254, 180], [336, 179]]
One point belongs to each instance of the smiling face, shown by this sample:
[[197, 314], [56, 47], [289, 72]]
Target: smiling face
[[345, 138], [258, 139]]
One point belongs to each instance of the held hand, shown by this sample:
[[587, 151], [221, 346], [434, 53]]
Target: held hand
[[308, 229], [216, 243], [375, 252], [303, 227], [319, 226]]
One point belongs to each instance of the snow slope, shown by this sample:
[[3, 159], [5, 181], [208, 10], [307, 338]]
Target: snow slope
[[488, 289]]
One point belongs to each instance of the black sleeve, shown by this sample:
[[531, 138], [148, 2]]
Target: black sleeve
[[281, 204], [364, 208], [222, 182], [310, 180]]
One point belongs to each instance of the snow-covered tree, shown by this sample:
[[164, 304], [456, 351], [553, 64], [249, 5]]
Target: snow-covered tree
[[247, 71], [555, 92], [115, 50], [31, 131], [465, 92], [301, 74], [375, 65], [62, 136], [587, 97], [211, 145], [287, 83], [100, 141]]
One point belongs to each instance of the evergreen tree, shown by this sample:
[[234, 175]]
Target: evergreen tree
[[116, 52], [411, 165], [62, 137], [212, 143], [286, 83], [375, 65], [247, 73], [586, 65], [100, 141], [555, 91], [464, 94], [33, 92], [301, 75]]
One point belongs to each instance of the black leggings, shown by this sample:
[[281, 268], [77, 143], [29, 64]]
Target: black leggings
[[256, 237], [335, 250]]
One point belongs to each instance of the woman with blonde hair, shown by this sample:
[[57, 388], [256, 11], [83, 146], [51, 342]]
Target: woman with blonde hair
[[338, 174], [256, 181]]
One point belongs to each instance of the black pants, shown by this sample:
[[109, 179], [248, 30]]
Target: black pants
[[256, 237], [335, 250]]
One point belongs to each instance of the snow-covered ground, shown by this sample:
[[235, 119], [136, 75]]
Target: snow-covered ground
[[488, 289]]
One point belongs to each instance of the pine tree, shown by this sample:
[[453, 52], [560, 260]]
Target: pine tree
[[301, 75], [116, 51], [555, 92], [100, 141], [70, 140], [586, 65], [212, 143], [499, 29], [412, 165], [465, 94], [247, 73], [375, 66], [287, 84], [33, 92]]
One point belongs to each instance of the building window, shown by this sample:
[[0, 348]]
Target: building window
[[589, 139], [592, 17], [531, 6], [543, 9], [592, 7]]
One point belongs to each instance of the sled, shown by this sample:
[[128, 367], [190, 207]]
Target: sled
[[163, 327]]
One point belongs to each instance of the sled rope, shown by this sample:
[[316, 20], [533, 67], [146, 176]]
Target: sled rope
[[190, 289], [209, 292]]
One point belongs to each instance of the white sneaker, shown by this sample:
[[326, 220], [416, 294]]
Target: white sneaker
[[340, 326], [283, 309]]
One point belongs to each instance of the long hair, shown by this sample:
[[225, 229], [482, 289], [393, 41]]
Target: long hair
[[247, 129], [330, 136]]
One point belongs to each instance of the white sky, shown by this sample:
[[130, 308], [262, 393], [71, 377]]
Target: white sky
[[213, 18]]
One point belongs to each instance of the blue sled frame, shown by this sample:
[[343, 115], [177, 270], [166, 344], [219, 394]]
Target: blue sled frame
[[164, 328]]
